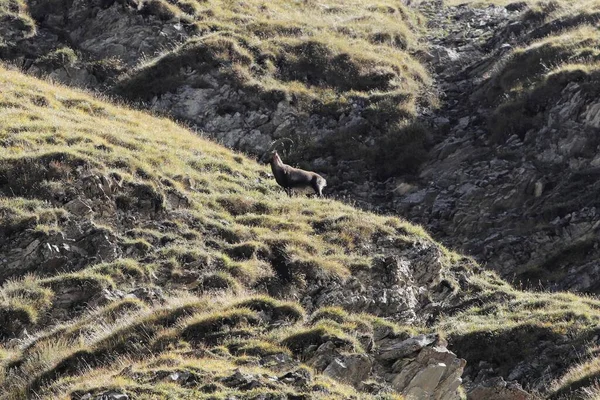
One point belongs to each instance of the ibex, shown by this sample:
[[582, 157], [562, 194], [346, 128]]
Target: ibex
[[289, 177]]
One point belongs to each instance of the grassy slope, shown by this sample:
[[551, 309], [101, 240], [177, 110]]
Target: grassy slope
[[325, 58], [56, 135], [212, 214], [513, 327], [347, 46], [194, 208], [205, 211]]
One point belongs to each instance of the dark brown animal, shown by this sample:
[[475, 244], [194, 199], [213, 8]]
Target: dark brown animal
[[290, 178]]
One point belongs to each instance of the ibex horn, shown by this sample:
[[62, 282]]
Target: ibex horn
[[279, 141]]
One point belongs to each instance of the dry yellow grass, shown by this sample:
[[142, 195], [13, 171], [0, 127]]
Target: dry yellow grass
[[583, 378], [231, 221], [308, 48]]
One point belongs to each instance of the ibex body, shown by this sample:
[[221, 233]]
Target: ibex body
[[289, 177]]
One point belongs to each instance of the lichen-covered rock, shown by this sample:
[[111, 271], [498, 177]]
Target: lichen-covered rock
[[420, 367], [408, 280], [434, 374], [108, 29], [401, 349], [352, 369]]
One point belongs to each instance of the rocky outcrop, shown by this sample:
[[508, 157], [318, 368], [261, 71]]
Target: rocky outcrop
[[419, 367], [552, 183], [249, 119], [353, 369], [109, 29], [93, 199], [69, 250], [110, 395], [108, 37], [422, 368], [408, 285], [248, 128]]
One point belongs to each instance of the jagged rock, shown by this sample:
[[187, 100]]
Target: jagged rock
[[112, 395], [179, 376], [242, 381], [396, 286], [78, 207], [425, 382], [249, 129], [441, 121], [406, 347], [116, 31], [300, 378], [280, 361], [434, 373], [498, 389], [75, 76], [148, 294], [323, 356], [464, 122], [352, 368], [442, 55], [79, 244], [472, 190]]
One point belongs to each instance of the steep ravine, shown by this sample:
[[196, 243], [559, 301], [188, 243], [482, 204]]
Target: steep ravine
[[524, 205]]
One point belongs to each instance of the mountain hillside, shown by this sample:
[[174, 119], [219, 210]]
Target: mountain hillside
[[129, 242], [476, 119], [141, 260]]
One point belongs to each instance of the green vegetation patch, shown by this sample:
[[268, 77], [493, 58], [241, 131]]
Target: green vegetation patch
[[581, 381], [357, 47], [510, 325], [214, 328], [529, 65]]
